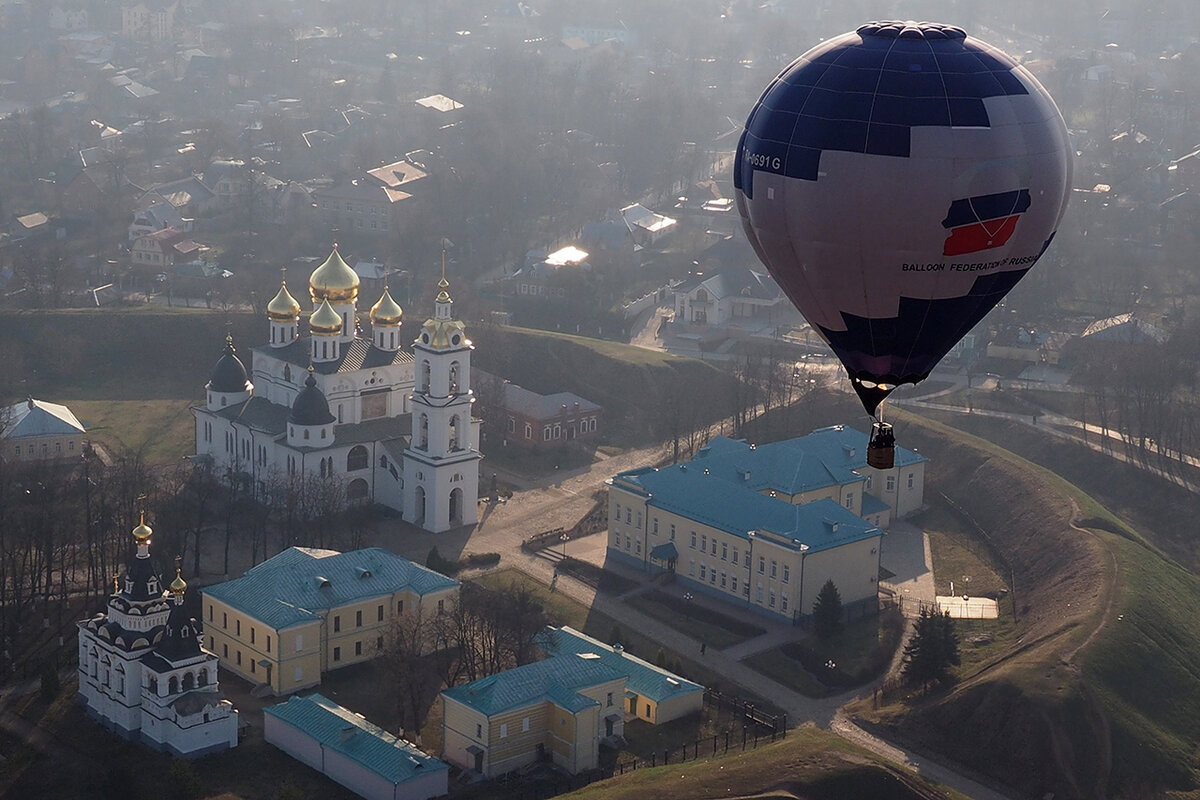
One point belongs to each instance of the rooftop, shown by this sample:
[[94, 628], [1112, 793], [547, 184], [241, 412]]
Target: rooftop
[[558, 679], [299, 584], [647, 680], [343, 731]]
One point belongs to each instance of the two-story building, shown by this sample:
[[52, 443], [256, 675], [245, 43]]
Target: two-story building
[[295, 616], [765, 526]]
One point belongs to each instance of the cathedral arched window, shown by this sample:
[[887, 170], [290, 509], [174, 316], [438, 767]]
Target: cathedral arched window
[[173, 685], [153, 685], [305, 434], [189, 681], [453, 377], [357, 489], [357, 458], [203, 679]]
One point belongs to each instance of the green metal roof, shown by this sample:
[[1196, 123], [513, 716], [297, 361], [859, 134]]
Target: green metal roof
[[299, 584], [641, 677], [557, 679], [345, 732]]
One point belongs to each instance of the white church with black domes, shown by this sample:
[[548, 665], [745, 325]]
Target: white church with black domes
[[391, 426]]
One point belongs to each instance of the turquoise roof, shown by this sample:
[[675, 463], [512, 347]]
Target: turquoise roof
[[557, 679], [392, 759], [873, 505], [641, 677], [300, 583]]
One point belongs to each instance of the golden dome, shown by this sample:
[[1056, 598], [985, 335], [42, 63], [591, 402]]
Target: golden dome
[[142, 532], [387, 311], [333, 280], [442, 333], [443, 284], [325, 320], [284, 307], [179, 585]]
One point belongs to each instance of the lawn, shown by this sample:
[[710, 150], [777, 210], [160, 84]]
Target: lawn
[[163, 431], [859, 653], [958, 553], [702, 624]]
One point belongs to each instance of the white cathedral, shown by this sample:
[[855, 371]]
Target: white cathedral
[[393, 427], [142, 671]]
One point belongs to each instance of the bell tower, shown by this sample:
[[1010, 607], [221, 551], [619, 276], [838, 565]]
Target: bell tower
[[441, 464]]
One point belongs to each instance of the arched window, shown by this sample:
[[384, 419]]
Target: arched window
[[425, 373], [306, 433], [453, 377], [424, 433], [153, 685], [203, 679], [357, 490], [454, 432], [173, 685], [189, 682], [357, 458]]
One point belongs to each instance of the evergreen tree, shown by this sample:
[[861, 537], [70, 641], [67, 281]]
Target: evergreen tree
[[932, 650], [827, 611]]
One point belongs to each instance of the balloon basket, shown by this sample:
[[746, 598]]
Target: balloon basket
[[881, 450]]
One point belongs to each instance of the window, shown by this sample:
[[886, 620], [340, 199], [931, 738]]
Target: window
[[399, 606], [525, 725], [703, 571], [378, 642], [239, 658], [617, 514], [379, 613], [712, 577], [735, 555], [771, 599], [225, 651], [337, 654], [654, 527], [210, 612], [849, 499], [637, 546], [760, 594], [629, 516], [337, 622], [299, 674], [870, 482], [628, 545], [610, 700], [910, 480], [774, 568], [441, 606], [639, 519], [703, 543], [693, 544], [891, 483], [503, 729], [358, 648], [252, 666], [251, 634], [224, 620], [762, 565], [528, 431], [691, 566], [358, 619], [722, 579], [268, 642], [299, 642], [714, 546], [724, 551], [478, 731], [783, 603], [672, 533], [733, 583], [787, 573]]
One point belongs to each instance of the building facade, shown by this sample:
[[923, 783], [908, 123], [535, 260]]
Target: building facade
[[558, 709], [340, 405], [289, 620], [342, 745], [765, 526], [143, 672], [35, 430]]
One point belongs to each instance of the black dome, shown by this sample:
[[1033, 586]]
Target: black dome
[[143, 582], [229, 375], [181, 638], [311, 407]]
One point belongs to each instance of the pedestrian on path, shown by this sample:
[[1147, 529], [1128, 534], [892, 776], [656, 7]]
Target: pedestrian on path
[[703, 647]]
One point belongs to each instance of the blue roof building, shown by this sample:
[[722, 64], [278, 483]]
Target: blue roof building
[[765, 526], [652, 693], [346, 747], [291, 618]]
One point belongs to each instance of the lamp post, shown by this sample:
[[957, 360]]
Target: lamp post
[[687, 598], [564, 538], [749, 566]]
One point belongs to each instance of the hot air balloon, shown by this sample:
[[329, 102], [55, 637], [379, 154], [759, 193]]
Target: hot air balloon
[[897, 182]]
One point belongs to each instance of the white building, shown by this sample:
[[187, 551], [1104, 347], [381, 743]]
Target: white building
[[337, 404], [142, 671], [35, 430]]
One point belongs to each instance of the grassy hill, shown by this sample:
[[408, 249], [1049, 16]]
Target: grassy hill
[[1097, 693]]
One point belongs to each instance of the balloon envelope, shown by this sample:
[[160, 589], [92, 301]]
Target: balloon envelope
[[897, 182]]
